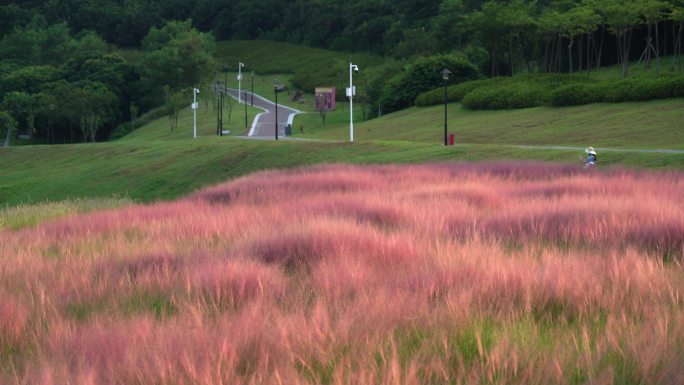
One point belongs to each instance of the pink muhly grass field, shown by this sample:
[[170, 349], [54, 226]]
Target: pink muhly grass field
[[423, 274]]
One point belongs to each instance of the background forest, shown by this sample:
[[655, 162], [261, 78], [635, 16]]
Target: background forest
[[67, 75]]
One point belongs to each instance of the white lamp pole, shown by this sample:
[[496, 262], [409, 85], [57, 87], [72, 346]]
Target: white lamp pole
[[195, 91], [351, 92], [240, 80]]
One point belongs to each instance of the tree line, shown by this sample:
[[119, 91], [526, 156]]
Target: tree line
[[504, 35], [63, 87], [58, 71]]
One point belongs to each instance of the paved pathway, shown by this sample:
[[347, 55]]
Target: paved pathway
[[263, 126], [599, 149]]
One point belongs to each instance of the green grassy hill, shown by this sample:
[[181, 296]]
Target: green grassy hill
[[646, 125], [154, 163]]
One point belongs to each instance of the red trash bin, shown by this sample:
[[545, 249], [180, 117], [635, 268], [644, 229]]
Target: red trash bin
[[451, 139]]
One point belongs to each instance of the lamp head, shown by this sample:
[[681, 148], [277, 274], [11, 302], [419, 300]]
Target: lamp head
[[355, 67], [445, 74]]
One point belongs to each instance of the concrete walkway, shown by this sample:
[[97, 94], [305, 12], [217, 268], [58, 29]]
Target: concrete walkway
[[263, 126], [599, 149]]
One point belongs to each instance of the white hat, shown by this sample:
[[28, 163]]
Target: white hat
[[590, 150]]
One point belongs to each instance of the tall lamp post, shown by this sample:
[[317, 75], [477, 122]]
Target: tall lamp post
[[351, 92], [195, 91], [252, 103], [239, 78], [445, 77], [275, 89]]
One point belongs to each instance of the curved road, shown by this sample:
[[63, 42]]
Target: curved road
[[263, 126]]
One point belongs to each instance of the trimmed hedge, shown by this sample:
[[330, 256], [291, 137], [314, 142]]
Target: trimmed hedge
[[620, 90], [455, 93], [555, 90], [576, 94]]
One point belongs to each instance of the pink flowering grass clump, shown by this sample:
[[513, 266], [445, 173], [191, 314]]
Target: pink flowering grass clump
[[437, 273]]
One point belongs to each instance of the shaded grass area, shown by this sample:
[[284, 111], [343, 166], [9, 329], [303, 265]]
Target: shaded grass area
[[654, 124]]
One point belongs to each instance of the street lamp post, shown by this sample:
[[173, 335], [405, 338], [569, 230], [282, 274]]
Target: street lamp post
[[275, 89], [245, 108], [239, 78], [50, 131], [445, 77], [195, 91], [252, 89], [351, 91]]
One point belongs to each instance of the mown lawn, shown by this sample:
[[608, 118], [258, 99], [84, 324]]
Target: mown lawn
[[654, 124]]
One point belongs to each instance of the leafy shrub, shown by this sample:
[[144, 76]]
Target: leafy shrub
[[455, 92], [424, 74], [576, 94], [644, 88], [506, 96]]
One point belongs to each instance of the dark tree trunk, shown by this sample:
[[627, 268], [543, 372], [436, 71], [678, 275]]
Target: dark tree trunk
[[600, 47], [557, 60], [495, 66], [572, 41], [510, 55], [649, 27], [590, 44], [657, 49], [546, 55], [579, 53]]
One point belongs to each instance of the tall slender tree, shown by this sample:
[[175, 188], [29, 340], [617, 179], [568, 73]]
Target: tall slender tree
[[622, 16]]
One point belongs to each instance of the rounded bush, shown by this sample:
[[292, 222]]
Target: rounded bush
[[576, 94]]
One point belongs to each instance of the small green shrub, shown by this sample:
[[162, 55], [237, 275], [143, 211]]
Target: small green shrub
[[576, 94], [455, 93], [506, 96]]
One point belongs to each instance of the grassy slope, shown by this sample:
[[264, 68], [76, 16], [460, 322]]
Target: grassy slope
[[270, 57], [655, 124], [154, 163]]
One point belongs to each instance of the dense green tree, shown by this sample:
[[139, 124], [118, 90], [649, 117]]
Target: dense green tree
[[622, 17], [423, 75], [177, 55], [490, 25], [450, 25], [652, 12], [7, 124], [677, 16], [37, 43], [575, 23], [22, 107]]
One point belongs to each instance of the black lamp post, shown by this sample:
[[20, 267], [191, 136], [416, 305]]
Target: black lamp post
[[275, 89], [50, 131], [245, 97], [252, 102], [445, 77], [221, 97]]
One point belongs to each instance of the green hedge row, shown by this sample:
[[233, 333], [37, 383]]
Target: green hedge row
[[620, 90], [555, 90]]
